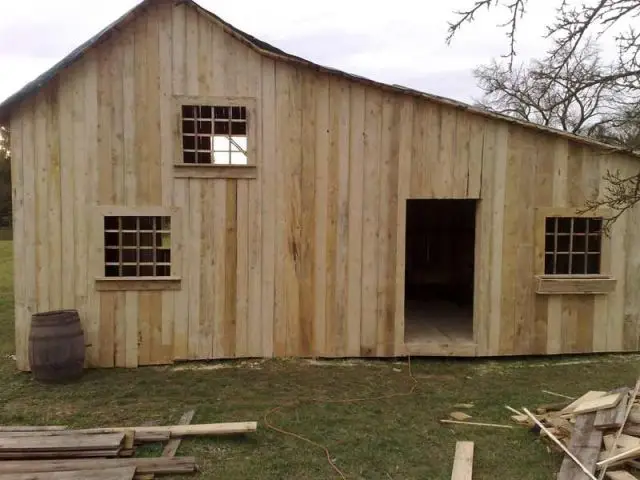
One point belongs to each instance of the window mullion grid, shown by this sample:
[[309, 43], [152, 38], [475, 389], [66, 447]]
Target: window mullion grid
[[586, 247], [555, 245], [154, 252], [138, 246], [570, 271], [120, 249]]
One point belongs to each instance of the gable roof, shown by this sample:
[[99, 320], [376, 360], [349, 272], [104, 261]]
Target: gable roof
[[268, 50]]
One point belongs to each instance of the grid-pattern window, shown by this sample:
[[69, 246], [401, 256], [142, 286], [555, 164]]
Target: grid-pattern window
[[214, 134], [573, 246], [137, 246]]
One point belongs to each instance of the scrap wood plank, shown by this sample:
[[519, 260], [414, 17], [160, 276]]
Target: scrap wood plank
[[590, 395], [560, 444], [32, 428], [613, 417], [172, 445], [463, 461], [624, 441], [608, 401], [107, 441], [627, 454], [42, 454], [158, 465], [139, 437], [118, 473], [585, 445], [632, 400], [479, 424], [235, 428], [620, 475]]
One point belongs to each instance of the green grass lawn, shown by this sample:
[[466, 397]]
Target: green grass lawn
[[385, 438]]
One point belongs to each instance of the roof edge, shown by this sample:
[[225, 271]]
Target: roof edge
[[265, 49]]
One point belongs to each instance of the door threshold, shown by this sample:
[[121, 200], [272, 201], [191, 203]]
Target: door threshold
[[442, 349]]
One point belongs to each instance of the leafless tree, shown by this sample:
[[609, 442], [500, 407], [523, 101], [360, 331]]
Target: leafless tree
[[531, 94], [546, 83]]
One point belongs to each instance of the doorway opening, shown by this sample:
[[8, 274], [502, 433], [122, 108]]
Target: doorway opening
[[439, 272]]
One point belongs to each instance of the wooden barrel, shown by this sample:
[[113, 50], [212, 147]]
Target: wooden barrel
[[56, 346]]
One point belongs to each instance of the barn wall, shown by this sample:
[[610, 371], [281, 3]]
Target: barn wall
[[308, 257]]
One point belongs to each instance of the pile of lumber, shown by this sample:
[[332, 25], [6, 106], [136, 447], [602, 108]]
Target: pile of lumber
[[599, 433], [60, 453]]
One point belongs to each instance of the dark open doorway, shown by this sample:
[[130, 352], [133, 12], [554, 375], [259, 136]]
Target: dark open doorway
[[440, 241]]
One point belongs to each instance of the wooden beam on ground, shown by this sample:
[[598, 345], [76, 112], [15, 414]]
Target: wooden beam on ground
[[140, 437], [559, 443], [120, 473], [107, 441], [158, 465], [590, 395], [172, 445], [463, 461], [585, 445], [31, 428], [497, 425], [212, 429]]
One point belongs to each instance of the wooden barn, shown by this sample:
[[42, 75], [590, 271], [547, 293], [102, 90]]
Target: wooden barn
[[196, 193]]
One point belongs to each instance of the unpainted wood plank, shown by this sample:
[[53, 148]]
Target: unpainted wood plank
[[289, 124], [179, 232], [207, 336], [120, 331], [29, 275], [463, 461], [335, 239], [143, 335], [560, 199], [476, 156], [118, 473], [373, 132], [307, 210], [607, 401], [228, 282], [167, 147], [613, 417], [192, 254], [339, 340], [496, 313], [356, 205], [459, 157], [586, 397], [67, 173], [387, 288], [620, 475], [403, 191], [172, 445], [585, 445], [242, 268], [42, 208], [268, 210], [61, 443], [160, 465]]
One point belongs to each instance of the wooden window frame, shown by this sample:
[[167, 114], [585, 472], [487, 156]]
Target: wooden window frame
[[212, 170], [104, 283], [562, 284]]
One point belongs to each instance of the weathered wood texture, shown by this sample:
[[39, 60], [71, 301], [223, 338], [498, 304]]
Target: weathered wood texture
[[307, 258]]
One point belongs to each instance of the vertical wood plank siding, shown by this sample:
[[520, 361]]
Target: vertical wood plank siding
[[306, 259]]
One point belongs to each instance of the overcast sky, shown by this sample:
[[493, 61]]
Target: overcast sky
[[402, 41]]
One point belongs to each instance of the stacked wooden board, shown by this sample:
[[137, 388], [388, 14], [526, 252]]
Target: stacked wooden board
[[59, 453], [599, 432]]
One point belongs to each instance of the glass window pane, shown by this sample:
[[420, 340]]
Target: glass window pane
[[221, 144], [238, 158]]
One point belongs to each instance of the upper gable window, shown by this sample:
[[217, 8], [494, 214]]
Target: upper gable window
[[215, 134]]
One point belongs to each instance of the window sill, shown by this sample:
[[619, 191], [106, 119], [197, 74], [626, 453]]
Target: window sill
[[120, 284], [574, 284], [187, 170]]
